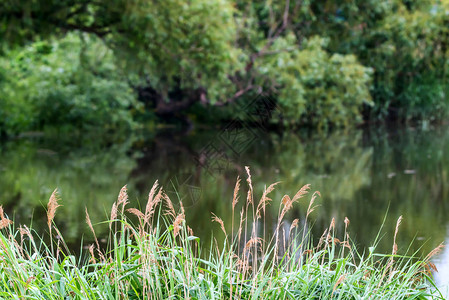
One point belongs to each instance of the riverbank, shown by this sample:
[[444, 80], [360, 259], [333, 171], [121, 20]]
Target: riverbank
[[152, 253]]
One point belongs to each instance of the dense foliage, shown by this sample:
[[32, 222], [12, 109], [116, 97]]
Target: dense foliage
[[159, 257], [326, 63], [64, 83]]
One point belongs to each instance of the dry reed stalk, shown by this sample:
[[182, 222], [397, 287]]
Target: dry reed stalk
[[311, 208], [389, 268], [345, 242], [321, 240], [332, 226], [346, 222], [257, 241], [219, 221], [340, 280], [51, 208], [89, 223], [242, 219], [293, 226], [171, 210], [137, 213], [4, 222], [91, 251], [29, 280], [24, 230], [307, 252], [157, 199], [264, 201], [329, 236], [287, 204], [235, 197], [249, 200], [432, 266], [331, 229], [395, 246], [150, 197], [123, 198], [180, 218], [434, 252], [190, 231], [284, 245], [250, 185], [427, 264], [2, 213], [240, 230], [18, 247], [113, 214], [302, 192]]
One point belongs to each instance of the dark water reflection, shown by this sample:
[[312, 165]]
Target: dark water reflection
[[360, 174]]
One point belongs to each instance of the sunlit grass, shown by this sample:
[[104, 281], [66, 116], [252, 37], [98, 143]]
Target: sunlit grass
[[159, 257]]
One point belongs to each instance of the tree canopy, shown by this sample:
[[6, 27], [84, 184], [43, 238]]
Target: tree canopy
[[326, 63]]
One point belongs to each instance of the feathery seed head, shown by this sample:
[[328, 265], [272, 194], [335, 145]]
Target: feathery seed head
[[52, 206]]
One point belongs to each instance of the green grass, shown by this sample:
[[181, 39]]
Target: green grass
[[157, 256]]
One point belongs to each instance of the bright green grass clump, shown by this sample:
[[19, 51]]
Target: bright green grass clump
[[161, 258]]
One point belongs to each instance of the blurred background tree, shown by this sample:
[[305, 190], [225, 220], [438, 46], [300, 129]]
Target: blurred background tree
[[117, 64]]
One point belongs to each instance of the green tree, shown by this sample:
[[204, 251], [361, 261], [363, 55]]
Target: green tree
[[406, 44], [316, 57]]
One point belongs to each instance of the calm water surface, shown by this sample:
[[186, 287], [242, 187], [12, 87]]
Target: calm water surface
[[364, 175]]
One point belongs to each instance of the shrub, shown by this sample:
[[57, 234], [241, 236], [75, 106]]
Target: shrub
[[66, 81]]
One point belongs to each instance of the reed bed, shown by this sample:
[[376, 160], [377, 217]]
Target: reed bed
[[159, 257]]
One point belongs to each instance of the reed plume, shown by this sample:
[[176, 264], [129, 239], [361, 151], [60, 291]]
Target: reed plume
[[140, 215], [434, 252], [113, 214], [293, 226], [235, 198], [89, 223], [395, 246], [153, 201], [4, 222], [265, 200], [123, 198], [219, 221], [287, 202], [170, 208], [311, 208], [91, 251], [25, 231], [250, 185], [346, 222], [51, 208], [180, 218], [302, 192]]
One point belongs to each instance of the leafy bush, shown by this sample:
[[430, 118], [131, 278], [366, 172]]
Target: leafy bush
[[67, 81], [318, 88]]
